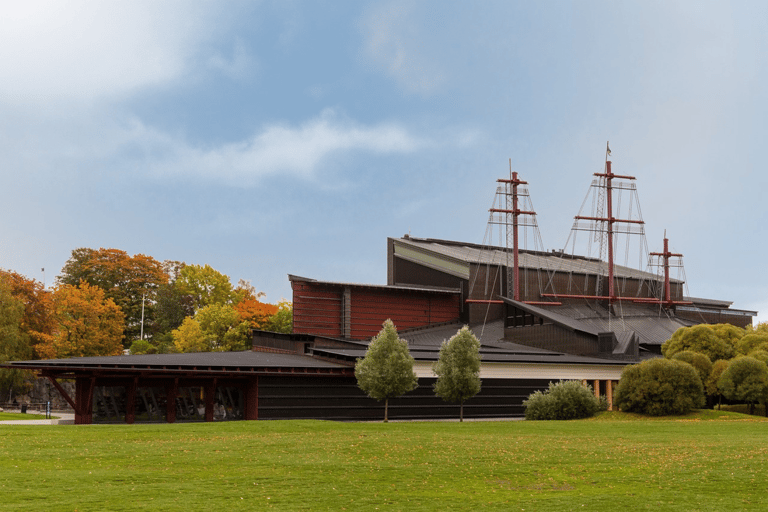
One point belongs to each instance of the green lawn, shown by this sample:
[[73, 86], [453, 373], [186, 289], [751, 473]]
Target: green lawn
[[710, 461], [18, 416]]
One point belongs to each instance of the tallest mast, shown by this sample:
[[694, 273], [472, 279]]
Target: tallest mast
[[606, 178], [605, 225]]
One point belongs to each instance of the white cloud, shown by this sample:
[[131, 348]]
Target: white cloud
[[86, 51], [395, 42], [276, 149]]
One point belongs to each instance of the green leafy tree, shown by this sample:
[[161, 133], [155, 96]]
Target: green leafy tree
[[205, 286], [699, 338], [710, 386], [760, 355], [699, 361], [752, 341], [745, 380], [458, 369], [142, 347], [386, 371], [282, 321], [564, 400], [659, 387], [729, 333], [14, 342], [214, 328]]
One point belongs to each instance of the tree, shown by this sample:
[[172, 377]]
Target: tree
[[37, 322], [214, 328], [171, 307], [386, 371], [255, 312], [189, 337], [745, 380], [87, 323], [729, 333], [752, 341], [282, 321], [129, 281], [700, 362], [205, 286], [710, 386], [14, 343], [458, 369], [565, 400], [699, 338], [659, 387]]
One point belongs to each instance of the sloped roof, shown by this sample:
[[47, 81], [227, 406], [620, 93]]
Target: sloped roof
[[462, 254], [246, 361], [424, 345], [652, 325]]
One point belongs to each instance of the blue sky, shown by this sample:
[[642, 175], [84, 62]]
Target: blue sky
[[268, 138]]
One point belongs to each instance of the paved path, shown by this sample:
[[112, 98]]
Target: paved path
[[64, 418]]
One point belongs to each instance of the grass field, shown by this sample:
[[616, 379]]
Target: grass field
[[708, 461], [19, 417]]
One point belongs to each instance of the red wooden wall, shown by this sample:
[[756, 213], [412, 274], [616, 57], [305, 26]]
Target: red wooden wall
[[319, 308]]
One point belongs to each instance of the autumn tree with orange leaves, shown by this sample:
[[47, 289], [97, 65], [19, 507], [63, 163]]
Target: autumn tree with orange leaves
[[127, 280], [88, 323], [37, 323]]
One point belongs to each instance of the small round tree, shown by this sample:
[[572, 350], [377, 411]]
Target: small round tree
[[746, 380], [699, 338], [710, 386], [386, 371], [751, 342], [458, 369], [660, 387], [699, 361]]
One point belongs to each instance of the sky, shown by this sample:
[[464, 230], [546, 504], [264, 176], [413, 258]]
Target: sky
[[287, 137]]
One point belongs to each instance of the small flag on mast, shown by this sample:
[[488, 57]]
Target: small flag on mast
[[608, 148]]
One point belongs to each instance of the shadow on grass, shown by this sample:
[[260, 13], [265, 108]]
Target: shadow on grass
[[699, 415]]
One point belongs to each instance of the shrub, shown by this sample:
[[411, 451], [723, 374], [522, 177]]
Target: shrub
[[565, 400], [660, 387]]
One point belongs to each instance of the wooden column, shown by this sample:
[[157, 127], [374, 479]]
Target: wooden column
[[84, 400], [130, 401], [596, 388], [171, 391], [609, 393], [252, 399], [210, 391]]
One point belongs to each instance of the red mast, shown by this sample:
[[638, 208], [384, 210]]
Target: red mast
[[515, 212], [666, 299], [610, 220]]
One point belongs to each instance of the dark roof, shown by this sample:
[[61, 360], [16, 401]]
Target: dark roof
[[457, 256], [652, 325], [385, 287], [246, 362], [527, 355], [424, 345]]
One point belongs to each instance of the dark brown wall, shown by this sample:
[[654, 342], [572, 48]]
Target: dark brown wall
[[715, 317], [339, 398], [408, 273], [553, 337]]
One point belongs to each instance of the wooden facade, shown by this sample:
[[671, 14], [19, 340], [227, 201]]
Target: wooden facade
[[357, 312]]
